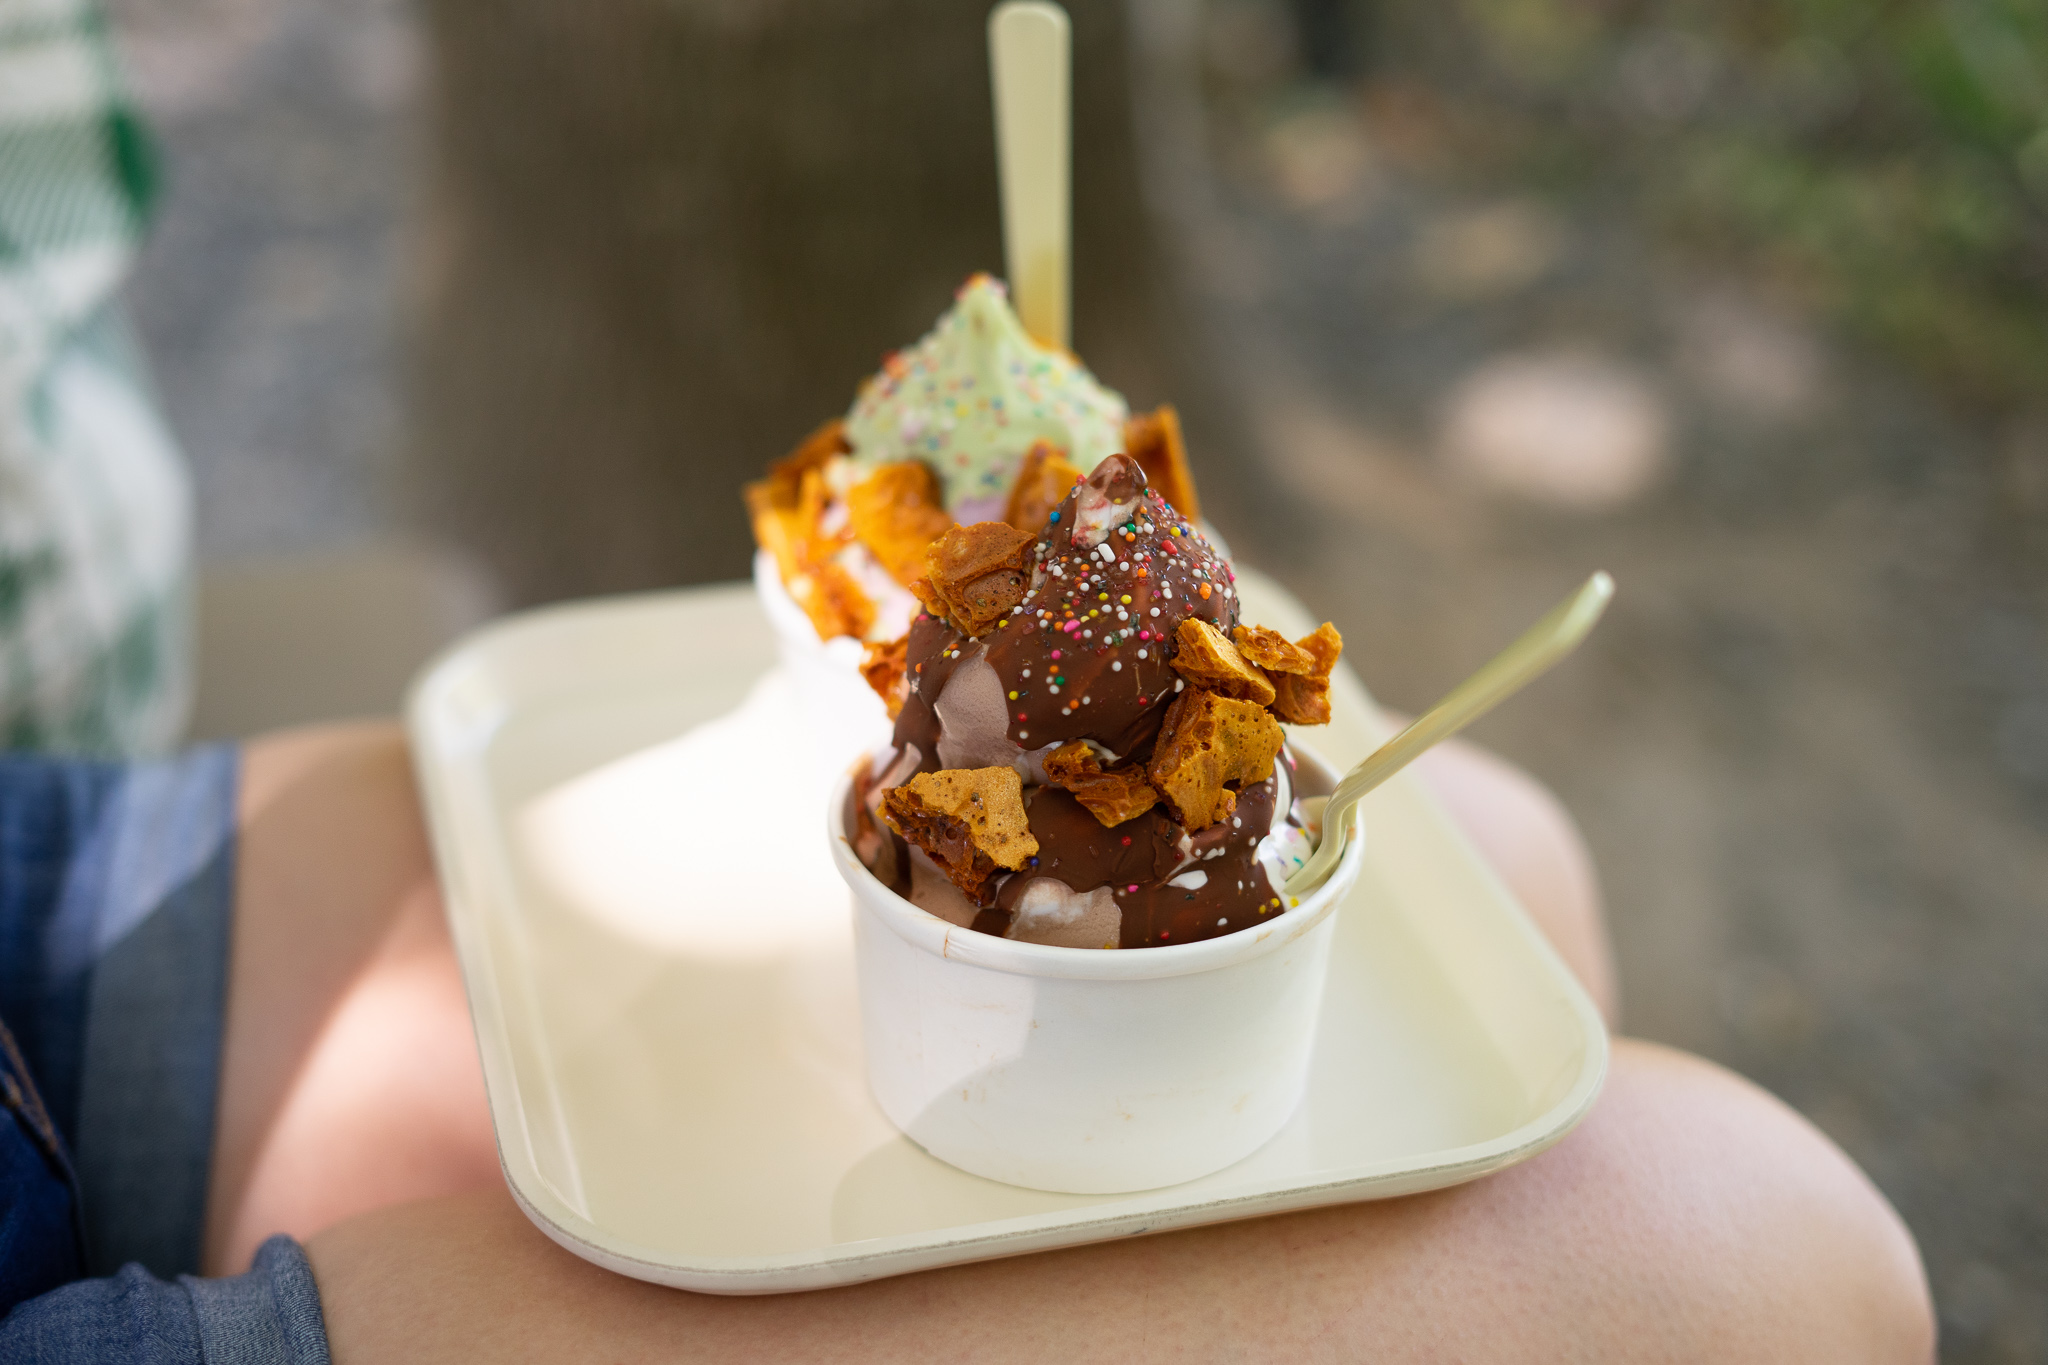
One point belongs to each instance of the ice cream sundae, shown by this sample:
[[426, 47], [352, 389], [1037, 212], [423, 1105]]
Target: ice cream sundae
[[1088, 748]]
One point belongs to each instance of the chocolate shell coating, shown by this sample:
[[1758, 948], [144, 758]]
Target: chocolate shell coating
[[1076, 660], [1088, 651]]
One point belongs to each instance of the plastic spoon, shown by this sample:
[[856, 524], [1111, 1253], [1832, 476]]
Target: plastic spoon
[[1029, 54], [1521, 663]]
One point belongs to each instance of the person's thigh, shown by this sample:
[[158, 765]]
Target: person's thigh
[[349, 1077], [1691, 1217]]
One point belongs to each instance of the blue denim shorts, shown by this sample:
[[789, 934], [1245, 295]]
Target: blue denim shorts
[[116, 903]]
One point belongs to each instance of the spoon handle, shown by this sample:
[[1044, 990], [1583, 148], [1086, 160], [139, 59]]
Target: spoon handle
[[1029, 53], [1509, 671]]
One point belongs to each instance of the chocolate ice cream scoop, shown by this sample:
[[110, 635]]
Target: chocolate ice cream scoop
[[1085, 654]]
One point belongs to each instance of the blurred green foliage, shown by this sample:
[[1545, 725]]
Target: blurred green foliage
[[1887, 159]]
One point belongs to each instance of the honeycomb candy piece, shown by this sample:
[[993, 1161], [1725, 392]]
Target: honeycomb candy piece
[[969, 821], [1153, 440], [1208, 660], [1302, 701], [1271, 651], [1072, 762], [788, 510], [897, 512], [928, 596], [1325, 645], [1113, 796], [805, 557], [786, 516], [1043, 482], [1304, 698], [887, 670], [977, 573], [784, 485], [834, 600], [1207, 742], [786, 506]]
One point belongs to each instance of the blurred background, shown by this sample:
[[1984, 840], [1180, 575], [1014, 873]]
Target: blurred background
[[459, 310]]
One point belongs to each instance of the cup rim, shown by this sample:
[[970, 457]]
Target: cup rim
[[922, 929]]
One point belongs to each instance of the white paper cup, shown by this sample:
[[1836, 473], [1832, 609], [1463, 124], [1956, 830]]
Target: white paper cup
[[844, 717], [1081, 1070]]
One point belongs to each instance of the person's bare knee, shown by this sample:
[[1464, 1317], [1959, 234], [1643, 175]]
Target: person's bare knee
[[1535, 847], [1690, 1217], [1706, 1216]]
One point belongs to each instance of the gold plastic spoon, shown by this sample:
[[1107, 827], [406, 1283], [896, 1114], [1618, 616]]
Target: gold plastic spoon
[[1521, 663], [1030, 65]]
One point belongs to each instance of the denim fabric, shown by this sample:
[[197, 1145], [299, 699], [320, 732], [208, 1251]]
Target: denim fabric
[[270, 1316], [41, 1242], [155, 1014], [116, 889]]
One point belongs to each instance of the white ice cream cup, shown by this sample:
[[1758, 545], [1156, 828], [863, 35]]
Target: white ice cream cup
[[1084, 1070], [842, 713]]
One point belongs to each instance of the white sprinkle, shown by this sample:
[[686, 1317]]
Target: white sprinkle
[[1155, 611], [1055, 687], [1125, 564], [1117, 666], [1087, 634], [1221, 922], [1086, 700], [1027, 672], [1023, 734], [1179, 683], [1141, 653], [1237, 822]]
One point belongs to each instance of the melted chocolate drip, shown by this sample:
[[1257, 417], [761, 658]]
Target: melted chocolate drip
[[1089, 651], [1137, 858], [933, 654], [1236, 895], [1076, 848]]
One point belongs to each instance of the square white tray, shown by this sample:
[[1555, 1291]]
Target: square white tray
[[658, 959]]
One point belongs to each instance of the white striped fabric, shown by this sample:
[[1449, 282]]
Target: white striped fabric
[[95, 507]]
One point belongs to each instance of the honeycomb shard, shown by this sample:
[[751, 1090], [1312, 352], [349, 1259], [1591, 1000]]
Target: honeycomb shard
[[1153, 439], [897, 512], [1304, 698], [887, 670], [1044, 481], [969, 821], [976, 574], [1207, 659], [1113, 796], [1271, 651], [1207, 744]]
